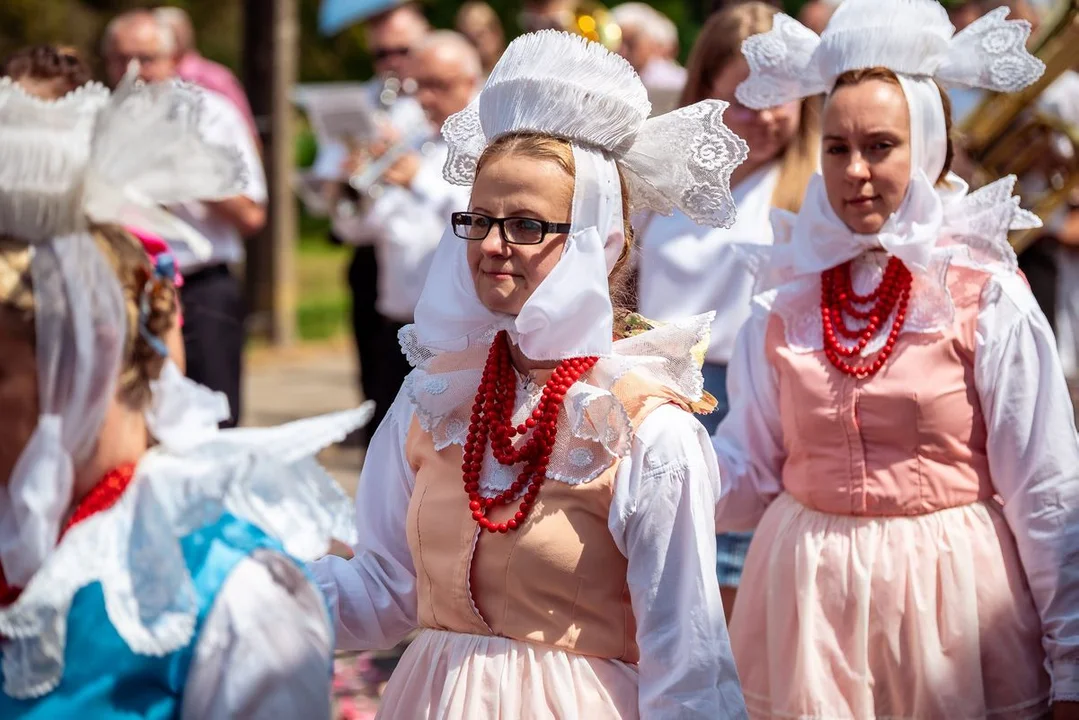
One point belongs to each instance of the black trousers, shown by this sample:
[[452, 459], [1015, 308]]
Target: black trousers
[[214, 333], [383, 366], [1038, 262]]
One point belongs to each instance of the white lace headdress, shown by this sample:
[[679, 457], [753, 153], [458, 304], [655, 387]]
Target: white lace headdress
[[88, 157], [915, 40], [92, 157], [556, 84]]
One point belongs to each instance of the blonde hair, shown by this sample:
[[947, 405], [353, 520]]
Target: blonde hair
[[544, 147], [720, 43], [141, 363]]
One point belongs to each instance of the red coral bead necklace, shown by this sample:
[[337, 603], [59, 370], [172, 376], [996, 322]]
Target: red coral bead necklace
[[491, 423], [838, 299], [102, 496]]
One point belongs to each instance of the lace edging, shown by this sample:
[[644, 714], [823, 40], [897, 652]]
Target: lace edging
[[595, 427], [133, 548]]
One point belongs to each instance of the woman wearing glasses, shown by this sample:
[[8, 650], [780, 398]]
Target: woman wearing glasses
[[687, 268], [539, 500]]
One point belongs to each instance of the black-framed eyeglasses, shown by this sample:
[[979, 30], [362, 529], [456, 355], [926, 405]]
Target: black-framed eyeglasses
[[515, 230]]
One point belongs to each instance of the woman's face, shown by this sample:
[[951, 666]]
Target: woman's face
[[866, 153], [509, 185], [767, 132], [18, 390]]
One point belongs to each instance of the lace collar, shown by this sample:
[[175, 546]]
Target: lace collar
[[268, 477], [972, 231], [594, 428]]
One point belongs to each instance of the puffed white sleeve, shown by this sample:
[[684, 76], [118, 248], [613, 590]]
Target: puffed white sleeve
[[265, 650], [1033, 454], [372, 596], [661, 520], [749, 440]]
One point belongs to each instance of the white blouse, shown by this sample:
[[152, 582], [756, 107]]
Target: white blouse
[[1032, 446], [688, 269], [661, 518]]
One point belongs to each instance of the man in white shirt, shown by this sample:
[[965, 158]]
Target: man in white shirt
[[391, 38], [212, 298], [413, 211]]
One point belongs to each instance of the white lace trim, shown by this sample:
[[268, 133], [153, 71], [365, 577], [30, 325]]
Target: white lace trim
[[267, 477], [594, 427], [974, 235], [912, 37], [556, 84]]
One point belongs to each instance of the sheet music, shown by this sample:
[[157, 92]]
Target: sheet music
[[338, 113]]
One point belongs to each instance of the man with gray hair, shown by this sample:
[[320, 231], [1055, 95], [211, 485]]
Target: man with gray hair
[[138, 35], [413, 210], [194, 68], [212, 298], [650, 44]]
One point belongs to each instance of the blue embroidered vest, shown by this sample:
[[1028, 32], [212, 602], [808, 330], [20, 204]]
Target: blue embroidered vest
[[103, 679]]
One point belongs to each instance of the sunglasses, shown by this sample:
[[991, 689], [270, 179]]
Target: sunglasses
[[387, 53]]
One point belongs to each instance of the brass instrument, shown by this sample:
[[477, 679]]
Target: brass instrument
[[360, 189], [1007, 134]]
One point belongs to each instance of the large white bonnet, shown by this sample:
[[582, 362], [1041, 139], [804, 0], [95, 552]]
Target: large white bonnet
[[556, 84]]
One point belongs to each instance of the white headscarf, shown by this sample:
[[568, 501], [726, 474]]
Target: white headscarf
[[561, 85], [90, 156], [915, 40]]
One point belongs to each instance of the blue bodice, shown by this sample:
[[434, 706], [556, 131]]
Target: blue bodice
[[103, 679]]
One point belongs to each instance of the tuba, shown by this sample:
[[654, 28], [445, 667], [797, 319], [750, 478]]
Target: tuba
[[1007, 134]]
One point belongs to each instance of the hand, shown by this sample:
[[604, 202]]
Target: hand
[[355, 162], [339, 549], [403, 171]]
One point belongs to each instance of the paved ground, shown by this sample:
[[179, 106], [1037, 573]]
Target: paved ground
[[285, 385]]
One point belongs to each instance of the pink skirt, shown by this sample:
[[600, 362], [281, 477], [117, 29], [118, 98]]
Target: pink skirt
[[923, 617], [453, 676]]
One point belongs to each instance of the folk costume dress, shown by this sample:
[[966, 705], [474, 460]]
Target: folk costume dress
[[579, 584], [913, 488], [175, 587]]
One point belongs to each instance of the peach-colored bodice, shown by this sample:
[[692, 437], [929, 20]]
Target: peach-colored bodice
[[559, 580], [907, 441]]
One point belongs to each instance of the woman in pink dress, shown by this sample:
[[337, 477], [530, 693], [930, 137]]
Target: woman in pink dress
[[900, 432], [539, 501]]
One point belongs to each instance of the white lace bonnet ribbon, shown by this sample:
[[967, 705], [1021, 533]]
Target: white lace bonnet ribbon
[[89, 157], [915, 40], [561, 85]]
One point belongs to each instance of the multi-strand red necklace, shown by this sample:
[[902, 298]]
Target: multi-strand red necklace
[[102, 496], [492, 421], [838, 300]]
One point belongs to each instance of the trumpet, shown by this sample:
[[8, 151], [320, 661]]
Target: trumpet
[[361, 188], [366, 182]]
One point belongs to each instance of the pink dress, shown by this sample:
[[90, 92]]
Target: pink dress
[[884, 580]]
